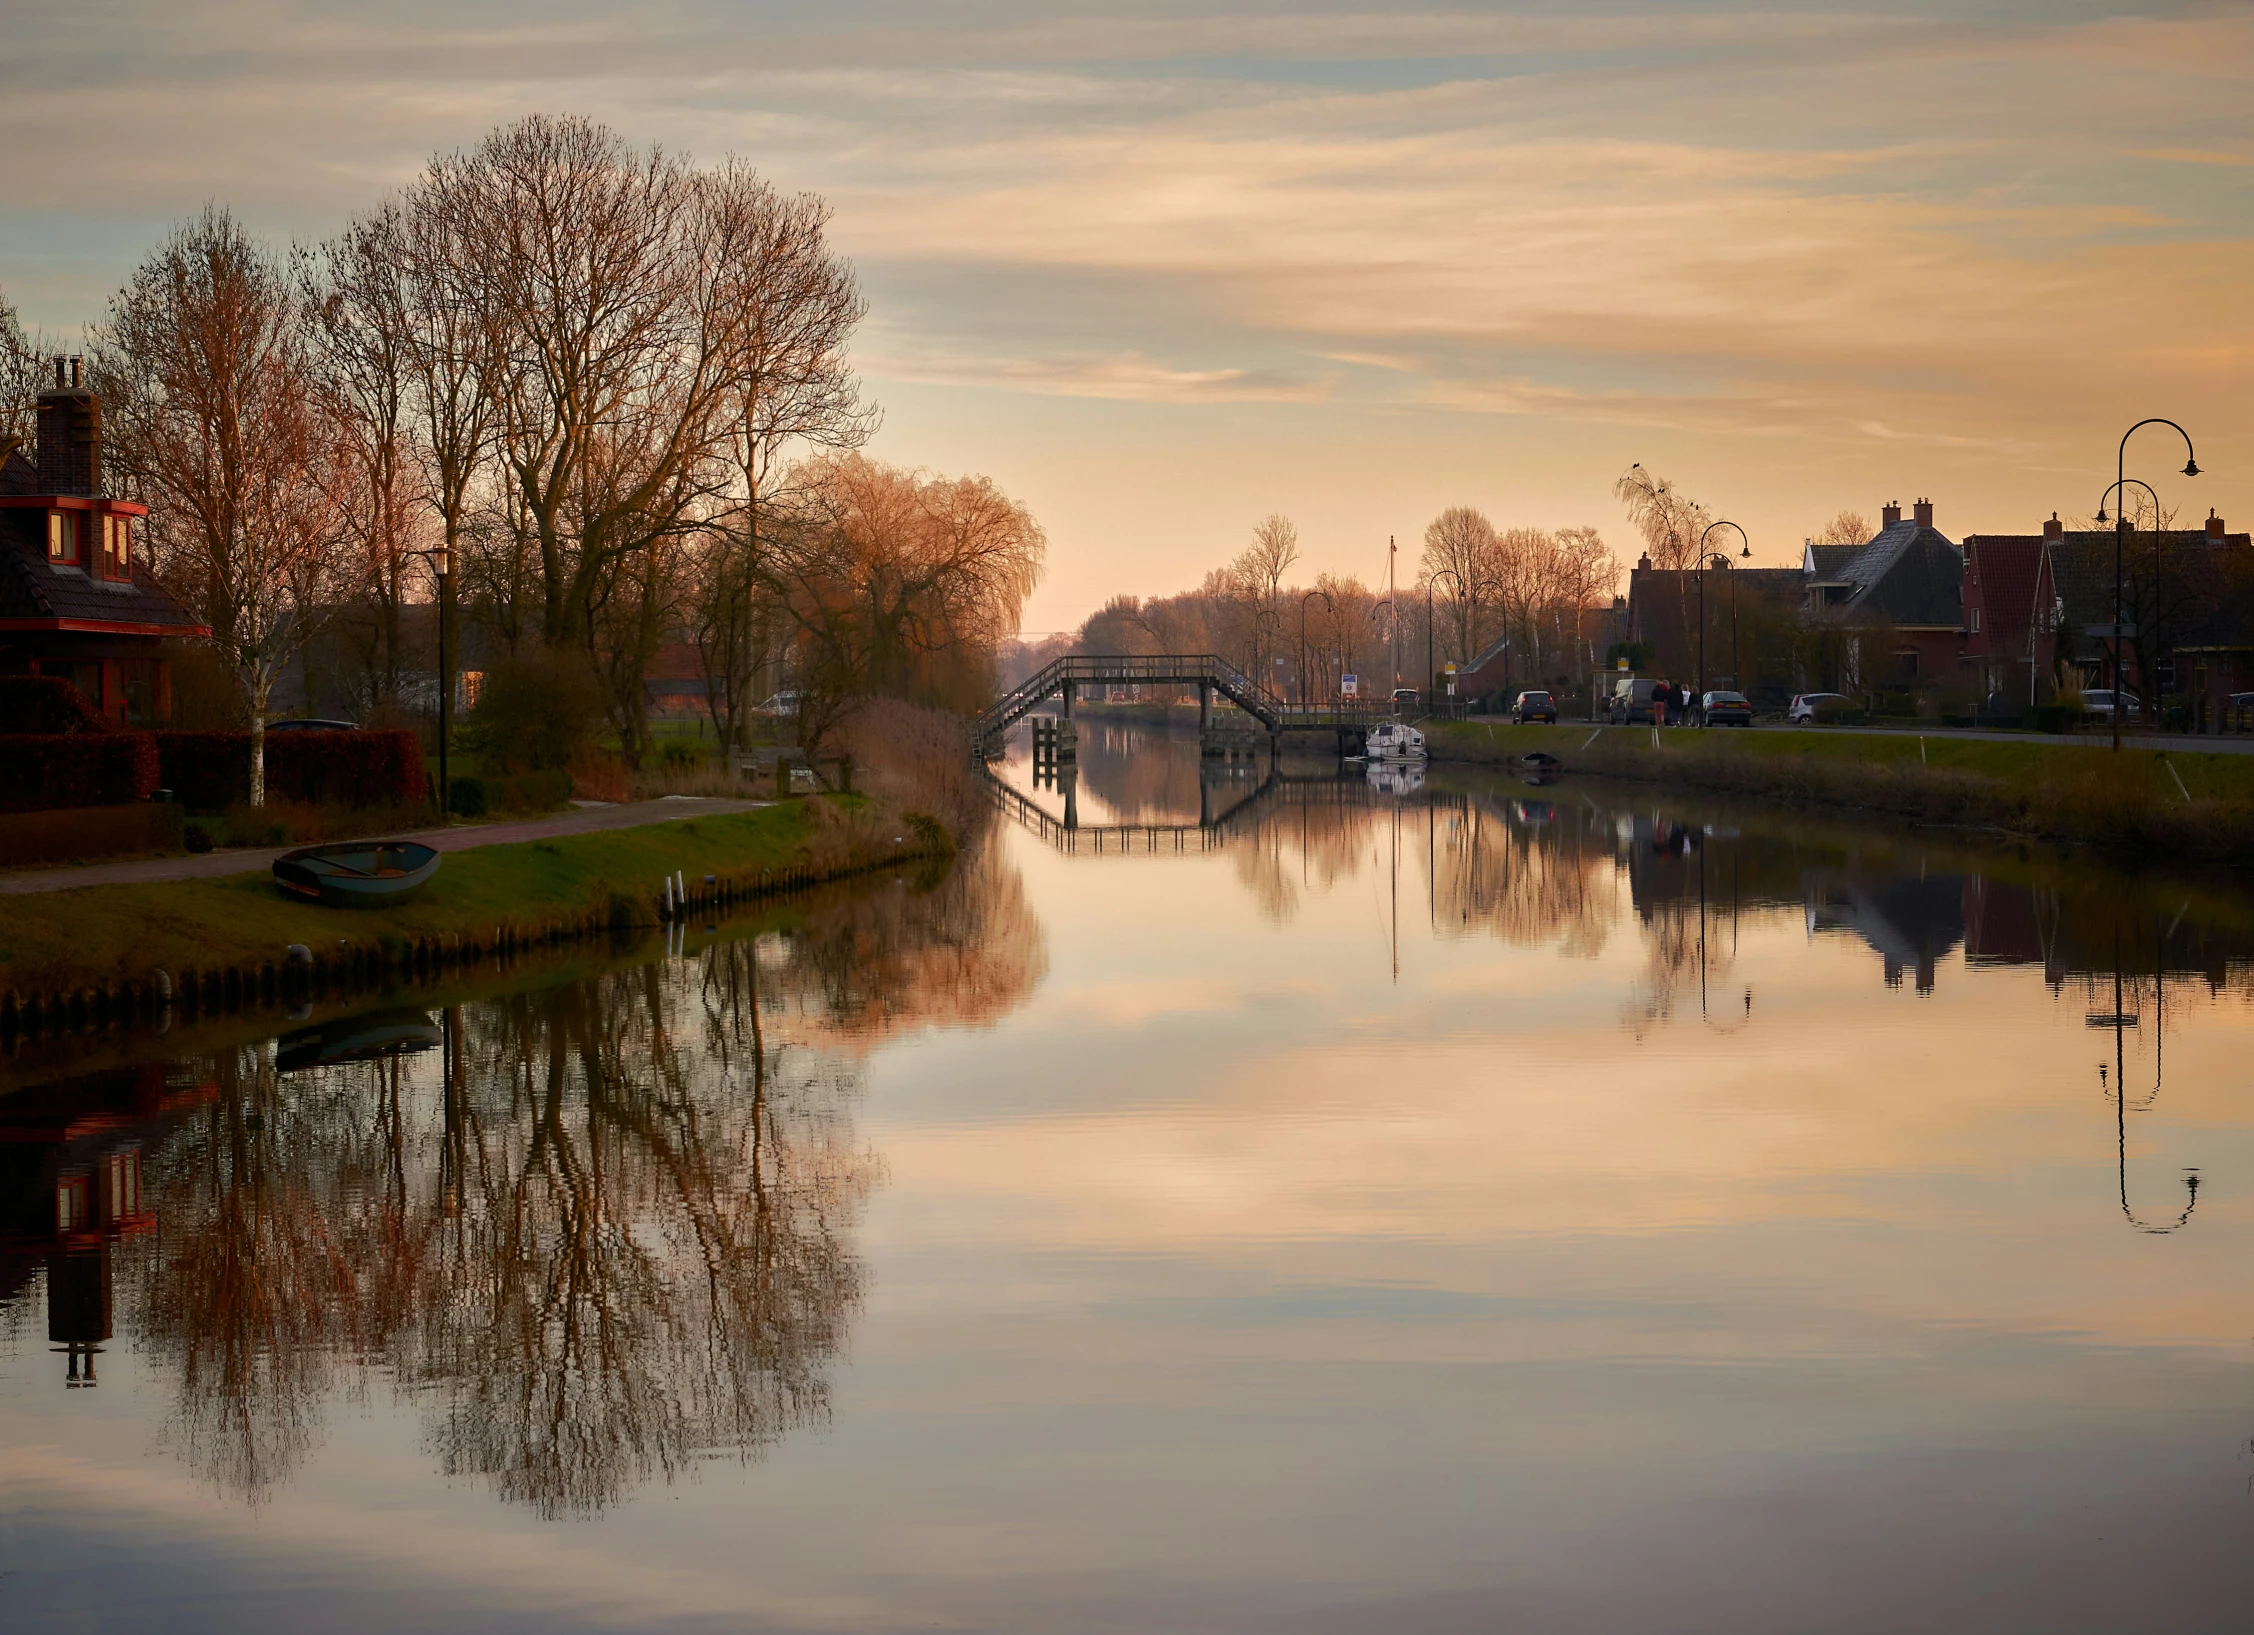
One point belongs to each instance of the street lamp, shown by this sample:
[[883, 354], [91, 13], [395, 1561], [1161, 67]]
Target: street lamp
[[2120, 541], [1303, 601], [442, 567], [1703, 560], [2121, 487], [1437, 573]]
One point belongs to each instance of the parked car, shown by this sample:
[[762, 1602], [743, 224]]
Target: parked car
[[309, 723], [1632, 702], [1724, 709], [782, 703], [1807, 708], [1534, 705], [2098, 703], [1405, 700]]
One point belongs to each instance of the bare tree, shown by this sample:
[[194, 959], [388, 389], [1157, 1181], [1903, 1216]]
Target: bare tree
[[1847, 528], [22, 374], [218, 418], [1459, 554]]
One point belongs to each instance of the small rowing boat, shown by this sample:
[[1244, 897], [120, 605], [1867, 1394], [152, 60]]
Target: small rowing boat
[[357, 873]]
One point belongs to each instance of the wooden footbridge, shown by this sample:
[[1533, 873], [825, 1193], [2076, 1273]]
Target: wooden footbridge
[[1209, 673]]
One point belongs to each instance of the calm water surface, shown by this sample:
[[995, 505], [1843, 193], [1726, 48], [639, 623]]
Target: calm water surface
[[1451, 1208]]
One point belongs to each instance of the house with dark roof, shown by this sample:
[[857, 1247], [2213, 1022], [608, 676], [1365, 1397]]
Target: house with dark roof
[[1905, 586], [2011, 616], [77, 599], [2187, 595]]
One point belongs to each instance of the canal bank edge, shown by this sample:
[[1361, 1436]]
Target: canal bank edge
[[2159, 803], [79, 957]]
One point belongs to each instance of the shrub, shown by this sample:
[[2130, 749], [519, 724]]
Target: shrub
[[210, 770], [46, 704], [43, 771], [538, 712], [196, 838], [465, 797], [679, 755]]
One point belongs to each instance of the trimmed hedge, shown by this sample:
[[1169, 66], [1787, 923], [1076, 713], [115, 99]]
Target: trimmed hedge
[[46, 704], [211, 770], [45, 771]]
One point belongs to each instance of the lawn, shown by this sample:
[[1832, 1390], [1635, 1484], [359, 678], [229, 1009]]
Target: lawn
[[64, 940]]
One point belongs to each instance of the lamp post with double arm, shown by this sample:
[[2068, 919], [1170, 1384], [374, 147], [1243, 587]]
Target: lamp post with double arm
[[1704, 559], [1429, 672], [2121, 540]]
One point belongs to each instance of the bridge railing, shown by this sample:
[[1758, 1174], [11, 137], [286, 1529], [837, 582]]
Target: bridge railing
[[1147, 669]]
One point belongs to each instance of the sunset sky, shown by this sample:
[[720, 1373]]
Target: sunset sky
[[1161, 270]]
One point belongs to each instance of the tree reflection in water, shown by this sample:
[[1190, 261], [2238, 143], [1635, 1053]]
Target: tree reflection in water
[[605, 1231]]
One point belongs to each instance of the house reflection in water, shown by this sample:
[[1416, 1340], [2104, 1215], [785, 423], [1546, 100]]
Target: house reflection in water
[[70, 1187]]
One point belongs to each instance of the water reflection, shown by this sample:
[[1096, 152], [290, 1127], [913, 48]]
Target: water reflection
[[592, 1231]]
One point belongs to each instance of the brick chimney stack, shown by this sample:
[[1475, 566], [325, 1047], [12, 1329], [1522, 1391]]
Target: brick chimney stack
[[2214, 528], [1891, 514], [70, 433], [2054, 529], [1923, 512]]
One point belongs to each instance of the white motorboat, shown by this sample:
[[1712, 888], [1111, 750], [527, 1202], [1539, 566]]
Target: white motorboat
[[1395, 741]]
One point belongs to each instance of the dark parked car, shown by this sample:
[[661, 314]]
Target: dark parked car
[[1534, 705], [308, 723], [1724, 709]]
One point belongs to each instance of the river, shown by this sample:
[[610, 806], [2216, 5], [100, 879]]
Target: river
[[1411, 1205]]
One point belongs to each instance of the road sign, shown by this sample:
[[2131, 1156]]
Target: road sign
[[1349, 686]]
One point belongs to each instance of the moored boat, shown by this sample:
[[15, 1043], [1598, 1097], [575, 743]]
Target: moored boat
[[357, 873], [1395, 741]]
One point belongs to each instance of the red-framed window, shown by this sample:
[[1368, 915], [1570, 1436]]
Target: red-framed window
[[117, 546], [66, 538]]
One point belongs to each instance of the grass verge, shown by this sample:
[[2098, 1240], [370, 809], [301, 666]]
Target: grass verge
[[103, 937], [2178, 803]]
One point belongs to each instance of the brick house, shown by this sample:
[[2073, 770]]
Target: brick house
[[2011, 615], [1904, 588], [77, 599]]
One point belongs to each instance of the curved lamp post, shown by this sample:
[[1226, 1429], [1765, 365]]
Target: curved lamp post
[[1462, 591], [2120, 541], [2121, 485], [442, 567], [1303, 601], [1703, 560]]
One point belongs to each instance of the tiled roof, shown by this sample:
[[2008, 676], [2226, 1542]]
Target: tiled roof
[[1825, 562], [1908, 575], [18, 475], [31, 588]]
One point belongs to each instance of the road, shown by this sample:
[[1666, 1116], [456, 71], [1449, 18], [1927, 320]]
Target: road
[[2236, 744], [583, 819]]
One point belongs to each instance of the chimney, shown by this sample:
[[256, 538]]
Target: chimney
[[2054, 529], [1923, 512], [1643, 563], [70, 433], [2214, 528], [1891, 514]]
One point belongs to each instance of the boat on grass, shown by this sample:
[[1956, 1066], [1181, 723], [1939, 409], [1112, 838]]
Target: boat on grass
[[357, 873]]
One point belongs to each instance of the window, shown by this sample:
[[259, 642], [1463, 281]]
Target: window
[[117, 547], [1976, 621], [65, 535]]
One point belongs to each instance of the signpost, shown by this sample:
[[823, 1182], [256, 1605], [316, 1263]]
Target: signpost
[[1349, 686]]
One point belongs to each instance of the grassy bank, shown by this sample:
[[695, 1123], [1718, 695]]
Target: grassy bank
[[2175, 803], [106, 943]]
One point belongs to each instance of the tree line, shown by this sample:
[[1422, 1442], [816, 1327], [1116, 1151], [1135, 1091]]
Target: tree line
[[609, 386], [1473, 586]]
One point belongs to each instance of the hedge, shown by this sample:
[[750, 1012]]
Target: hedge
[[46, 704], [44, 771], [210, 771]]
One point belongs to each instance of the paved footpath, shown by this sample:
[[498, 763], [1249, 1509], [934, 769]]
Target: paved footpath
[[586, 819]]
